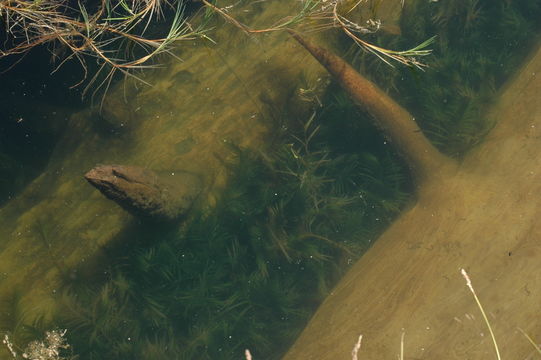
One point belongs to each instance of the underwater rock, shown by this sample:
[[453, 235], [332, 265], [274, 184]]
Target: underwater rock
[[143, 193]]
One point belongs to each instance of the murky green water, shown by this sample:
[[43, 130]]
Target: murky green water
[[296, 181]]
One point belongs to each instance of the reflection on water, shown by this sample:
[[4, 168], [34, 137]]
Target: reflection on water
[[296, 185]]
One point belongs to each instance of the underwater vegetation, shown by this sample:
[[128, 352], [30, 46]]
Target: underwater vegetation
[[479, 45], [250, 271]]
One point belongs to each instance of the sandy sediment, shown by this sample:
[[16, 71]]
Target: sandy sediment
[[484, 218]]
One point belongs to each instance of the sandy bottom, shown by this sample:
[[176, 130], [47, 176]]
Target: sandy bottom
[[485, 218]]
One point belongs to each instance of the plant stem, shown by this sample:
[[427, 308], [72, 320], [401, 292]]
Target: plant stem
[[469, 284]]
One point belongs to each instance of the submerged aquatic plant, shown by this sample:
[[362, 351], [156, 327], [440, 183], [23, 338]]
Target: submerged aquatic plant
[[251, 270], [479, 44]]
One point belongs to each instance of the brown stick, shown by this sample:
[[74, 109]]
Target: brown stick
[[396, 123]]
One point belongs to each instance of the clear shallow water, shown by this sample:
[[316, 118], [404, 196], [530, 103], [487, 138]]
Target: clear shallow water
[[279, 220]]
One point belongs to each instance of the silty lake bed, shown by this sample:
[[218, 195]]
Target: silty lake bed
[[62, 239]]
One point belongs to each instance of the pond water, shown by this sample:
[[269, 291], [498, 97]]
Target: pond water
[[295, 182]]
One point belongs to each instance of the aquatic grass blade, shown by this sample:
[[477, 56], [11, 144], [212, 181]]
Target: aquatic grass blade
[[470, 286]]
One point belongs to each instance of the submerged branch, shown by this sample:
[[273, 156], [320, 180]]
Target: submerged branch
[[396, 123]]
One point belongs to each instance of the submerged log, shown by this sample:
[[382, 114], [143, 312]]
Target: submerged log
[[143, 193], [396, 123]]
